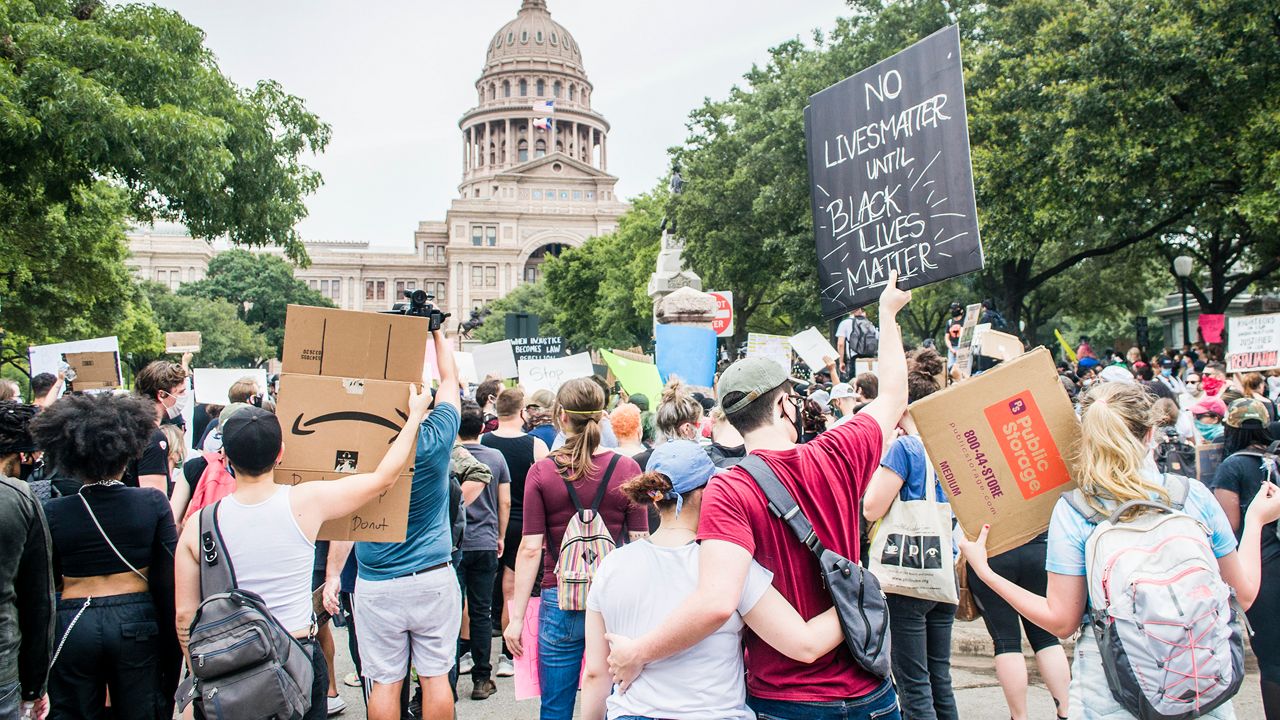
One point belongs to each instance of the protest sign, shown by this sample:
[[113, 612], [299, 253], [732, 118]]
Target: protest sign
[[1208, 458], [1001, 444], [182, 342], [466, 364], [551, 373], [495, 359], [996, 345], [687, 352], [1210, 326], [48, 358], [348, 343], [211, 384], [775, 347], [813, 348], [538, 348], [1253, 343], [722, 323], [95, 370], [637, 378], [891, 184], [964, 349]]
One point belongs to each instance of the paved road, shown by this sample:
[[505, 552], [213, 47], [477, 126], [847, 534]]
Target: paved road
[[978, 694]]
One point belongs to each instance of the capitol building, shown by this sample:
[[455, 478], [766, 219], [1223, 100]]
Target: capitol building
[[526, 192]]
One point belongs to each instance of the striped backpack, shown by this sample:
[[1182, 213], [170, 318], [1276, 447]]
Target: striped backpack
[[586, 541]]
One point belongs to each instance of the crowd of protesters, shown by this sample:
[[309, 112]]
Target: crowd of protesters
[[669, 583]]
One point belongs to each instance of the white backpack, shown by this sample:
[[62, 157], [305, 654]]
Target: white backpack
[[1169, 633]]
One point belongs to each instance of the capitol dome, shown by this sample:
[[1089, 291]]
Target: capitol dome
[[534, 35]]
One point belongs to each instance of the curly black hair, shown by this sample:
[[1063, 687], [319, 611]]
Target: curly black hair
[[15, 437], [94, 437]]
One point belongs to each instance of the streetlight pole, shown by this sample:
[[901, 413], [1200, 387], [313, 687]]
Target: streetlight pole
[[1182, 268]]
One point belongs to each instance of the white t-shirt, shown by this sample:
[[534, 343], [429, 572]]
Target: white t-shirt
[[636, 588]]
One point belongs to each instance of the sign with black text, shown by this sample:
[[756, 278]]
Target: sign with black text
[[891, 183], [538, 348]]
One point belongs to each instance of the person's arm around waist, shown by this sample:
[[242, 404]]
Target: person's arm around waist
[[776, 622], [722, 573]]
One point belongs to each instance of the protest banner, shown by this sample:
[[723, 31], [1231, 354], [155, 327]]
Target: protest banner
[[94, 370], [48, 358], [178, 343], [890, 180], [1210, 326], [211, 384], [637, 378], [1253, 343], [551, 373], [775, 347], [813, 348], [1002, 445], [538, 348], [687, 352], [466, 364], [497, 358], [722, 323]]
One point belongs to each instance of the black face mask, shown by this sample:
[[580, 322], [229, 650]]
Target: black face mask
[[26, 470], [798, 420]]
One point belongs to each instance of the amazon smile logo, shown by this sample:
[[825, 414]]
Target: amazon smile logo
[[300, 426]]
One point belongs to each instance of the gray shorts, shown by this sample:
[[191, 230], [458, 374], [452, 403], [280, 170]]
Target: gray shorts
[[418, 615]]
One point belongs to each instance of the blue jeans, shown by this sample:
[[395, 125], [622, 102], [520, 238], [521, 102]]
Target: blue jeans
[[10, 702], [561, 643], [879, 704]]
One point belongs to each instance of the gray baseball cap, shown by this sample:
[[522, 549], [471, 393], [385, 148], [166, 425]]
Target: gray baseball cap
[[751, 376]]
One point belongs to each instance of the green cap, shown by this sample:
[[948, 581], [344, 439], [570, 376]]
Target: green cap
[[753, 377], [1246, 409]]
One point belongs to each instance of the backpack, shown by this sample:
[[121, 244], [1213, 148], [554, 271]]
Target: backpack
[[586, 541], [244, 664], [1174, 455], [1170, 637], [457, 511], [864, 339], [860, 603], [216, 482]]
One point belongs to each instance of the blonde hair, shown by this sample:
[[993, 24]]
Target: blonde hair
[[177, 443], [1114, 421], [581, 401], [677, 408]]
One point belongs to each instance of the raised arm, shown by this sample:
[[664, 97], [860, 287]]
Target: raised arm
[[447, 393], [891, 368]]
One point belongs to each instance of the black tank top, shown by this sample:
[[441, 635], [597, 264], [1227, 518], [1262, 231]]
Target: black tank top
[[518, 452]]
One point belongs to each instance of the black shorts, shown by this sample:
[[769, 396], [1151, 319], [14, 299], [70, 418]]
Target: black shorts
[[511, 545]]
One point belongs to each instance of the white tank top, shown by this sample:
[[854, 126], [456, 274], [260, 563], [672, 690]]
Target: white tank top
[[270, 555]]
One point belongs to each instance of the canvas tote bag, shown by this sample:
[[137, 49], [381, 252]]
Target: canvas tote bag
[[911, 547]]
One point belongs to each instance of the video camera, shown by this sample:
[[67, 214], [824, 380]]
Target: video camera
[[419, 305]]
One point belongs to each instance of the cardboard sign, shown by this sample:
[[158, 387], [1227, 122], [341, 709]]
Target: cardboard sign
[[687, 352], [382, 519], [95, 370], [812, 347], [48, 358], [964, 348], [211, 384], [1001, 444], [495, 359], [347, 343], [722, 323], [998, 345], [891, 183], [182, 342], [775, 347], [341, 425], [1253, 343], [550, 374], [538, 348]]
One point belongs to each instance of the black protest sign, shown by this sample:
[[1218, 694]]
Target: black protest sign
[[891, 184], [538, 348]]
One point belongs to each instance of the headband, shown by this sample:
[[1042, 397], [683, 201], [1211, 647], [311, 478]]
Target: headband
[[582, 412]]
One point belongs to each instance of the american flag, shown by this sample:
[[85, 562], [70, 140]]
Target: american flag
[[546, 106]]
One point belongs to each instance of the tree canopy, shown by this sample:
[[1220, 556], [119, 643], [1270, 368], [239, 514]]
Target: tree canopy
[[226, 339]]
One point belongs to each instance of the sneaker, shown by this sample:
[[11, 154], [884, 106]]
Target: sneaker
[[505, 668], [351, 680], [483, 689], [337, 705], [465, 663]]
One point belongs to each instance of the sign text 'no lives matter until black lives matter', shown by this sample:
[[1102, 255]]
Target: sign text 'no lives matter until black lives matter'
[[890, 177]]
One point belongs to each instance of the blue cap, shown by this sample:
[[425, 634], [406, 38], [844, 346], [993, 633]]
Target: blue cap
[[685, 464]]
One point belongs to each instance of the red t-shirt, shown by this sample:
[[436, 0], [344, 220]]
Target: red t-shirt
[[827, 477], [548, 507]]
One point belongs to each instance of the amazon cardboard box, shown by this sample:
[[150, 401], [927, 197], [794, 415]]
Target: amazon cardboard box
[[94, 370], [347, 343], [1003, 444], [382, 519]]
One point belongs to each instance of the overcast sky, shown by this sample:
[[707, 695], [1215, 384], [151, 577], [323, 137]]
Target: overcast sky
[[392, 77]]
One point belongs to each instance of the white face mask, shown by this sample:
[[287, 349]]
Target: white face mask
[[179, 404]]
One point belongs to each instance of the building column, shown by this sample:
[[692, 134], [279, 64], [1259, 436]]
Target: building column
[[464, 154], [471, 147], [530, 155], [506, 140], [571, 147], [604, 152]]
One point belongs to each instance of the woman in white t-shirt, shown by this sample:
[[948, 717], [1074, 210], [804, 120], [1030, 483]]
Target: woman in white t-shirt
[[638, 585]]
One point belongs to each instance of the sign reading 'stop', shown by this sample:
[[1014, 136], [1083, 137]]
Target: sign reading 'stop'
[[891, 184]]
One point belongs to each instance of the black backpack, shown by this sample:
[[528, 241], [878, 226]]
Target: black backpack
[[1175, 455], [457, 511]]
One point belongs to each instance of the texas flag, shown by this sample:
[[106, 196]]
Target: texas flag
[[543, 123]]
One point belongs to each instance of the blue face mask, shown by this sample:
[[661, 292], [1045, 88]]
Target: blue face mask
[[1167, 372], [1209, 431]]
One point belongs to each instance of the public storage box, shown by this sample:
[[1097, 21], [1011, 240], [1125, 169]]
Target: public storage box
[[94, 370], [348, 343], [1003, 445], [383, 519]]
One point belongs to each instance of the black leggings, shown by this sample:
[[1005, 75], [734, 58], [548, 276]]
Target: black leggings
[[114, 645], [1263, 616], [1024, 567]]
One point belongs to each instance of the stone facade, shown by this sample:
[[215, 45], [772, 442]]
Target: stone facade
[[527, 191]]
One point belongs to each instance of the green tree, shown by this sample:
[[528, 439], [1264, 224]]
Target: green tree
[[527, 298], [265, 282], [117, 113], [226, 341]]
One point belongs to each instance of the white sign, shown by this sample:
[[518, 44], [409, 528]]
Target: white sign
[[812, 348], [1253, 343], [551, 373], [722, 323], [48, 358], [495, 359], [212, 384], [775, 347], [466, 363]]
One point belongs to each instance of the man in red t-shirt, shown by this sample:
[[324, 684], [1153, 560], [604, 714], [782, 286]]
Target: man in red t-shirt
[[827, 477]]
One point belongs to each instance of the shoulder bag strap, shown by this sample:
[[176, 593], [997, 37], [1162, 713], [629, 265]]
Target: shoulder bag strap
[[781, 503], [1178, 488], [110, 544], [1076, 500], [216, 573]]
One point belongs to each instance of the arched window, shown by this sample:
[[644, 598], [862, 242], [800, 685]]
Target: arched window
[[540, 149], [506, 88], [542, 88], [524, 36], [554, 38], [524, 88], [493, 91], [493, 155], [538, 38], [555, 89], [523, 150], [573, 92]]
